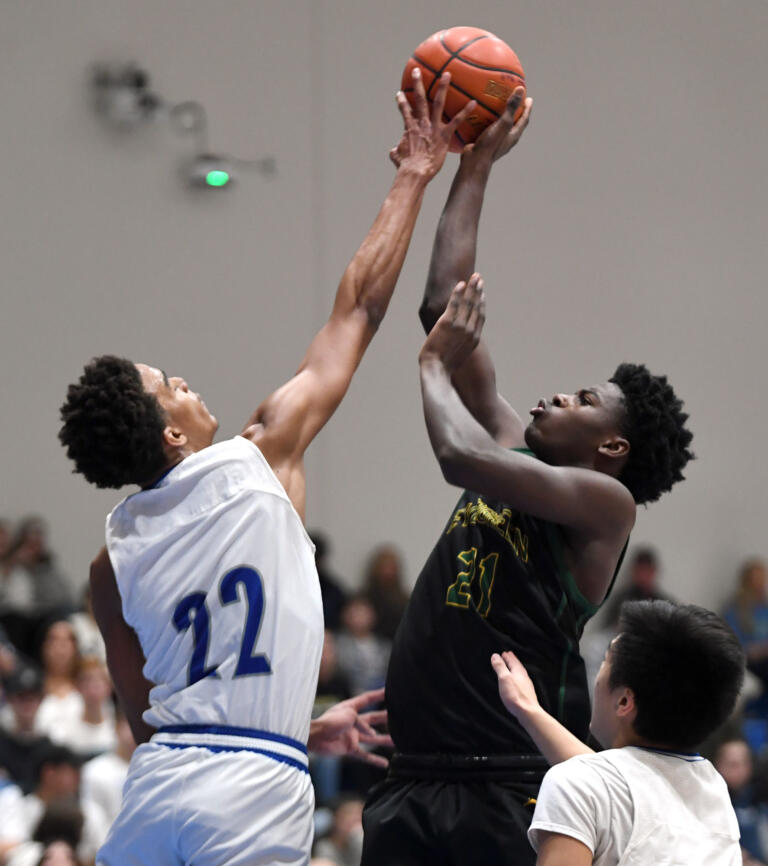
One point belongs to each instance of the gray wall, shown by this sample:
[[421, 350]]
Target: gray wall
[[629, 224]]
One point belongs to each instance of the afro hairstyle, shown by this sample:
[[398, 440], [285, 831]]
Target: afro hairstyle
[[112, 428], [654, 424]]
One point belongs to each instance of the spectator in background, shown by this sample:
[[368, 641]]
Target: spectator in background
[[29, 550], [733, 760], [87, 634], [17, 594], [93, 731], [55, 838], [62, 703], [333, 595], [642, 585], [332, 687], [384, 589], [8, 658], [21, 747], [58, 854], [58, 782], [103, 777], [747, 615], [362, 654], [344, 844], [32, 588]]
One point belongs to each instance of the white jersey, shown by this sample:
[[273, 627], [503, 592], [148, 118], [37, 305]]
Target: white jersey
[[217, 577], [640, 807]]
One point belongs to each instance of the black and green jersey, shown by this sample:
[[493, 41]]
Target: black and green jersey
[[495, 580]]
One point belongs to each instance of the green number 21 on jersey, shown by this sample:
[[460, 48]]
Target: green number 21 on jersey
[[460, 593]]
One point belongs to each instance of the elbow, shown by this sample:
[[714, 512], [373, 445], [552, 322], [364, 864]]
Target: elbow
[[454, 464]]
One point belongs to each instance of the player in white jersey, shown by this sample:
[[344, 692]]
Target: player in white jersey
[[669, 679], [207, 593]]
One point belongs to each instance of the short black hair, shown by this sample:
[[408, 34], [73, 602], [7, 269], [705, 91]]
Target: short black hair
[[685, 666], [654, 424], [112, 428]]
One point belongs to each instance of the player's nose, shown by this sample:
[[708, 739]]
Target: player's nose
[[560, 400]]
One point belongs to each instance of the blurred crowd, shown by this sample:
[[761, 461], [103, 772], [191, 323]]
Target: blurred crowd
[[65, 745]]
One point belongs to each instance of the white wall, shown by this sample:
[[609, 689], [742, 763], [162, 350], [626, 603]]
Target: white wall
[[630, 223]]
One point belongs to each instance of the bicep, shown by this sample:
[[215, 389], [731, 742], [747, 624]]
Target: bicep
[[295, 413], [555, 849]]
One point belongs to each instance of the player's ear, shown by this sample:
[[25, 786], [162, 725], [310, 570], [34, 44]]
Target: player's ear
[[174, 437], [615, 447], [625, 705]]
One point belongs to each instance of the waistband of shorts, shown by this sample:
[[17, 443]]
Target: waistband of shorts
[[465, 768], [225, 738]]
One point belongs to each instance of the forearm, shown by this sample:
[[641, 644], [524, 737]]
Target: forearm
[[553, 740], [456, 437], [370, 278], [455, 246]]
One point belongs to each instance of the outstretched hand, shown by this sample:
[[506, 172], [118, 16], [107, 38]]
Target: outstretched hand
[[343, 729], [426, 137], [516, 689], [457, 331], [502, 135]]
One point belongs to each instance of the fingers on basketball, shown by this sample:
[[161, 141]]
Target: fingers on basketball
[[420, 108]]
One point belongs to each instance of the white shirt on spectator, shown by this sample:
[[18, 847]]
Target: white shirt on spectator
[[58, 712], [635, 807], [85, 738], [102, 781], [95, 824], [13, 827]]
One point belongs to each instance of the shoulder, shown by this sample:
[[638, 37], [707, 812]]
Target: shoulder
[[588, 783]]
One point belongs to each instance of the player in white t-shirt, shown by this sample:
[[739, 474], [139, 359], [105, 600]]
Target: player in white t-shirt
[[668, 680], [207, 593]]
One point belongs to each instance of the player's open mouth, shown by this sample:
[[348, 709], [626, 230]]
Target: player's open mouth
[[539, 409]]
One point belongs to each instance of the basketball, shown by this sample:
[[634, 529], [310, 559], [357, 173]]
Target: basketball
[[482, 67]]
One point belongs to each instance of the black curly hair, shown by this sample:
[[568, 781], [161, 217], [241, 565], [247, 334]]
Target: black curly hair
[[654, 424], [112, 428], [685, 666]]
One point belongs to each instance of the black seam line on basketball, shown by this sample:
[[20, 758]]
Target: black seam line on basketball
[[491, 68], [436, 72], [452, 55], [479, 65]]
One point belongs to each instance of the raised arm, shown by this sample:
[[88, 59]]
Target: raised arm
[[287, 421], [518, 694], [597, 508], [453, 260]]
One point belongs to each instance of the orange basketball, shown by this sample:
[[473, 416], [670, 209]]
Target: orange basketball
[[482, 67]]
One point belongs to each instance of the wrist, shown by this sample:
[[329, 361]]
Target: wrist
[[429, 359], [475, 167], [413, 173]]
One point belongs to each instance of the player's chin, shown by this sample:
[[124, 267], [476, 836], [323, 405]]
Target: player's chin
[[532, 435]]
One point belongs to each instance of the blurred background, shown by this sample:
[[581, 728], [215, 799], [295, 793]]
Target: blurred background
[[629, 224]]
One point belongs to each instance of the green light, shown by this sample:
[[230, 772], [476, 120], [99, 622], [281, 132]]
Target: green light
[[217, 178]]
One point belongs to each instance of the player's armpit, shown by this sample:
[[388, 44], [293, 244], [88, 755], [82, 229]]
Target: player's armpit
[[558, 850], [125, 658]]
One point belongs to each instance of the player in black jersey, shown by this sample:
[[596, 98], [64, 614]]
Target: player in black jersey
[[527, 556]]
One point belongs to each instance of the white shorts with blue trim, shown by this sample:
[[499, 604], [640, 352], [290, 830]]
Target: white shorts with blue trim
[[210, 796]]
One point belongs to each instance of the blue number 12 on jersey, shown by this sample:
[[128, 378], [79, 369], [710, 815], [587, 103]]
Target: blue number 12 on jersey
[[192, 611]]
